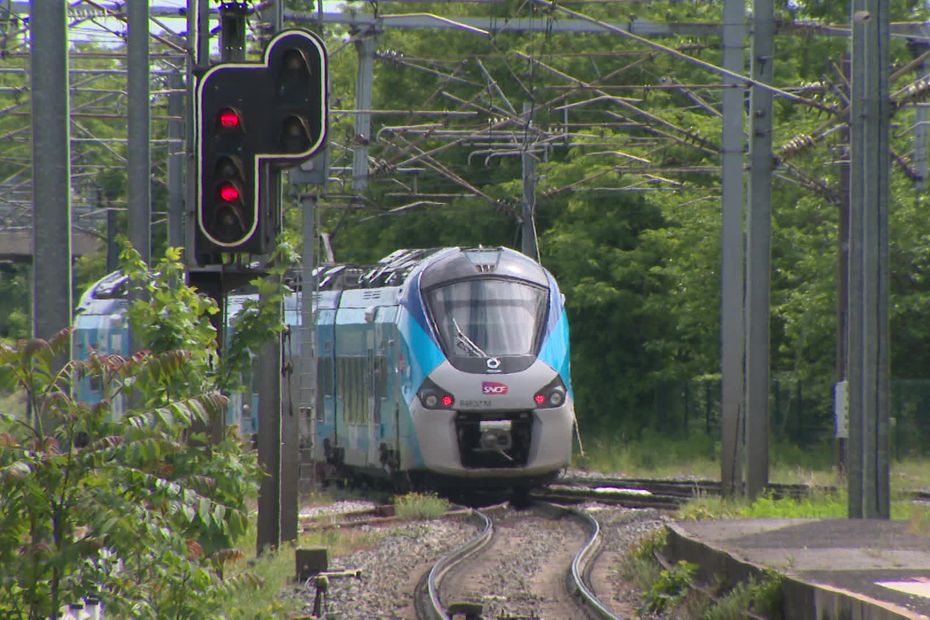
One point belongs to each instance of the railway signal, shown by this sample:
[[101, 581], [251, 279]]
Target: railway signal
[[250, 115]]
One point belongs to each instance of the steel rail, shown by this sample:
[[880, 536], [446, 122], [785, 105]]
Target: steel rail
[[581, 564], [432, 607]]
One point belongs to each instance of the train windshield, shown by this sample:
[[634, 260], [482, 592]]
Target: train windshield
[[488, 317]]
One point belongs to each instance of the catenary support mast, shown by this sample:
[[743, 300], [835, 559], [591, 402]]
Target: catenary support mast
[[731, 301], [758, 250], [51, 162], [868, 356]]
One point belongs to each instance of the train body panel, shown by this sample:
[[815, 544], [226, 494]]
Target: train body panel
[[555, 351], [496, 428]]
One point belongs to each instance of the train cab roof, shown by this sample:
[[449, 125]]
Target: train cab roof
[[437, 265], [459, 264], [105, 296]]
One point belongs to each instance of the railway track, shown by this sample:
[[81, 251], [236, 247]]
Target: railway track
[[613, 496], [462, 583], [572, 490], [685, 488]]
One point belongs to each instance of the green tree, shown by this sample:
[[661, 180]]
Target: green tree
[[139, 510]]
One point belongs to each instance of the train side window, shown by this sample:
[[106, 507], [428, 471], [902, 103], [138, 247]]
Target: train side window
[[324, 385]]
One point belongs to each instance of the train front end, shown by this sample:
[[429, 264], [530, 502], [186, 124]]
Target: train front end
[[493, 404]]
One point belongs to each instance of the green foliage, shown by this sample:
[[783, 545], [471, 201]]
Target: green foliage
[[259, 320], [673, 591], [762, 597], [671, 586], [640, 269], [14, 305], [420, 506], [139, 510], [168, 316], [608, 278], [627, 204], [651, 454], [122, 509], [647, 547], [640, 565], [817, 504], [174, 317], [272, 573]]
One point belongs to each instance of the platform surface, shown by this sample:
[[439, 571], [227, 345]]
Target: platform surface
[[834, 568]]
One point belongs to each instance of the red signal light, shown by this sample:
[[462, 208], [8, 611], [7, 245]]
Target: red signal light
[[447, 400], [229, 192], [229, 118]]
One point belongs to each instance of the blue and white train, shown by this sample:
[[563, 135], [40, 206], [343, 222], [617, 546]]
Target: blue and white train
[[439, 369]]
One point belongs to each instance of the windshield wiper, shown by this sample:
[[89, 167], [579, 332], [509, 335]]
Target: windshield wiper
[[465, 342]]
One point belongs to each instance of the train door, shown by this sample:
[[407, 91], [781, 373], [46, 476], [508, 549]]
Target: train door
[[327, 436], [385, 383], [351, 357]]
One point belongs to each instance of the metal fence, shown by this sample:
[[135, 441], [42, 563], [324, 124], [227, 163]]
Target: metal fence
[[800, 412]]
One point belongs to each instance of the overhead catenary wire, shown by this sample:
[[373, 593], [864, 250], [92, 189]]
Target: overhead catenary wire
[[682, 56]]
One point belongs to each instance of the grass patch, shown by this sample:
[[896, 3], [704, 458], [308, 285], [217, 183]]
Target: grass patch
[[816, 505], [911, 474], [651, 455], [420, 506], [698, 456], [275, 572], [275, 596]]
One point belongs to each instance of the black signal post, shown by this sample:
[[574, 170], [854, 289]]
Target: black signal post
[[249, 115]]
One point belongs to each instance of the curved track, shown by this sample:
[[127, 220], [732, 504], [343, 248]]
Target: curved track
[[427, 602], [463, 573], [579, 577]]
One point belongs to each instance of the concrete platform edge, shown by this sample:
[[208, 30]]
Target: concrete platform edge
[[803, 600]]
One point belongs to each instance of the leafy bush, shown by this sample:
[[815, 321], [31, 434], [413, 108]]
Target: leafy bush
[[122, 509], [672, 585], [139, 511]]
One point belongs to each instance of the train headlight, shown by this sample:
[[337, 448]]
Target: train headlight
[[553, 395], [434, 397]]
